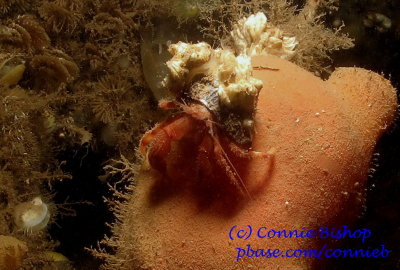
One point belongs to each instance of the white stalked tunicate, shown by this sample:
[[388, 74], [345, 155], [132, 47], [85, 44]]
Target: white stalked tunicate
[[237, 89], [241, 92], [187, 56], [255, 36], [230, 71], [31, 216]]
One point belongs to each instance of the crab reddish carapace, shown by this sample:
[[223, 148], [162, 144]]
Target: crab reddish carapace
[[196, 126]]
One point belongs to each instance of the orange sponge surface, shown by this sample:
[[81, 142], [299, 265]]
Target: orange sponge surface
[[323, 134]]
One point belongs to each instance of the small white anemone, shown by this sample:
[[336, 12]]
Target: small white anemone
[[31, 216]]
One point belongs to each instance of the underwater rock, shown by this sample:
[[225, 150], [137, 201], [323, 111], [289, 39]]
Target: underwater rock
[[324, 133], [11, 252]]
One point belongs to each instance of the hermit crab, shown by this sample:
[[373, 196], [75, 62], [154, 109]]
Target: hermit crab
[[194, 127], [215, 95]]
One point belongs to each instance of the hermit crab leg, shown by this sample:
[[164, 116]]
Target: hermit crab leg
[[225, 163], [249, 154], [147, 139], [156, 143], [203, 164], [158, 151], [168, 104]]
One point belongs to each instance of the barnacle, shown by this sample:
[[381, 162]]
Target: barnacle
[[32, 216], [8, 36], [52, 69], [13, 38], [38, 36], [25, 32], [70, 4], [22, 5], [104, 27], [7, 5], [101, 107], [107, 104], [117, 109], [12, 68], [61, 16]]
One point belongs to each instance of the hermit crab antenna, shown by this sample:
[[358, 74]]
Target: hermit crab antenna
[[236, 173]]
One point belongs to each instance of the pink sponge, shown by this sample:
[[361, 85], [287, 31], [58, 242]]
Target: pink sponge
[[323, 133]]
